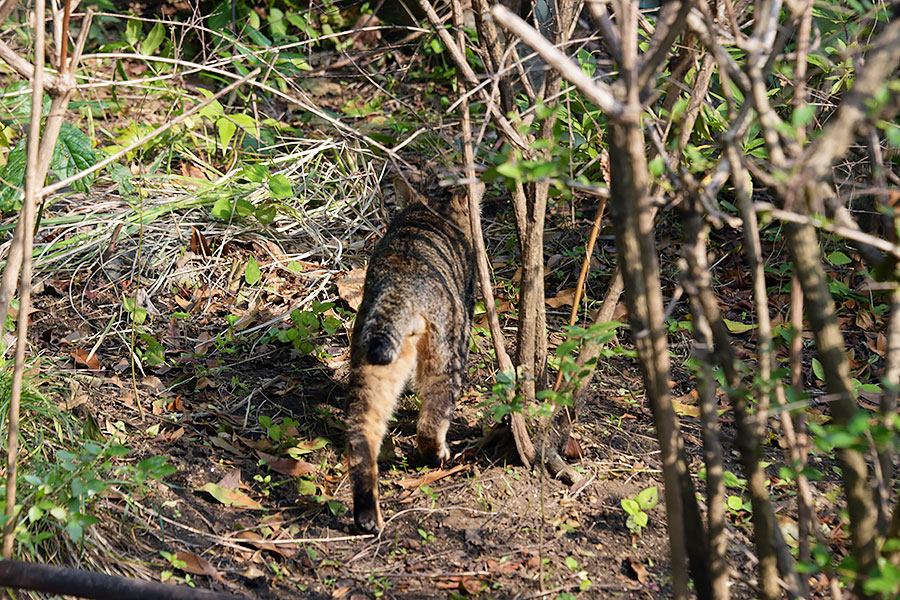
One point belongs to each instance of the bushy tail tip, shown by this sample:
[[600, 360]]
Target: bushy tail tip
[[380, 350]]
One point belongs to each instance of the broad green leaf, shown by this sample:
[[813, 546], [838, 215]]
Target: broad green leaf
[[73, 153], [244, 208], [648, 497], [133, 32], [734, 502], [266, 214], [221, 209], [245, 122], [153, 39], [13, 177], [818, 369], [280, 186], [838, 259], [230, 497], [252, 273], [802, 116], [226, 131], [737, 326], [641, 519], [630, 506]]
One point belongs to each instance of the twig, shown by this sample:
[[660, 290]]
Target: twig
[[596, 91]]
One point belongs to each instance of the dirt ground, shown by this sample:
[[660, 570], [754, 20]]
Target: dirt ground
[[486, 527]]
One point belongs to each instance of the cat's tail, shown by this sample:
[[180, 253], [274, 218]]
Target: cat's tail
[[390, 322]]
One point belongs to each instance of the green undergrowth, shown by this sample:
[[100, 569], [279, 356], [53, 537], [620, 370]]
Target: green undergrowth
[[65, 466]]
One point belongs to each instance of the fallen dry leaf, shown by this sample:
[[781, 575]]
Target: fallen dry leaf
[[430, 477], [573, 449], [637, 569], [563, 298], [230, 497], [252, 572], [350, 287], [504, 568], [287, 466], [86, 359], [197, 565], [199, 245], [254, 539]]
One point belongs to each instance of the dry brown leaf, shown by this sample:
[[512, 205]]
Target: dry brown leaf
[[252, 572], [287, 466], [224, 444], [189, 169], [173, 436], [350, 287], [364, 39], [573, 449], [86, 359], [341, 591], [152, 383], [199, 245], [197, 565], [205, 341], [637, 569], [254, 539], [565, 297], [430, 477], [470, 585], [865, 320], [448, 583], [504, 568]]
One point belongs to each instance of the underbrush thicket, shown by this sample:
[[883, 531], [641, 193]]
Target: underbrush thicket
[[750, 156]]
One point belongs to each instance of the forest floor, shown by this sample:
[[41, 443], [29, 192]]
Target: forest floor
[[259, 501], [251, 421]]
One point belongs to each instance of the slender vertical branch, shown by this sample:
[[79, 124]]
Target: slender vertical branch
[[33, 186]]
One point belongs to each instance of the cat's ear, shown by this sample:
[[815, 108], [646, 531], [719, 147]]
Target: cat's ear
[[405, 194], [460, 203]]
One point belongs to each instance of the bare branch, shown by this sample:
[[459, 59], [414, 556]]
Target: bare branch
[[672, 16], [596, 91]]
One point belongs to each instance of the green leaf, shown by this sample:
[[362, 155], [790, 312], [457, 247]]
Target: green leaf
[[226, 131], [265, 214], [230, 497], [153, 39], [838, 259], [73, 153], [252, 273], [648, 498], [133, 32], [731, 480], [280, 186], [630, 506], [571, 563], [818, 369], [657, 166], [221, 209], [734, 502], [13, 176], [802, 116], [244, 208], [641, 519], [737, 326]]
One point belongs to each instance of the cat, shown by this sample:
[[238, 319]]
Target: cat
[[413, 323]]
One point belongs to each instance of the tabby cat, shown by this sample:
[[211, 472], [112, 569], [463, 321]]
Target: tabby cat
[[413, 323]]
